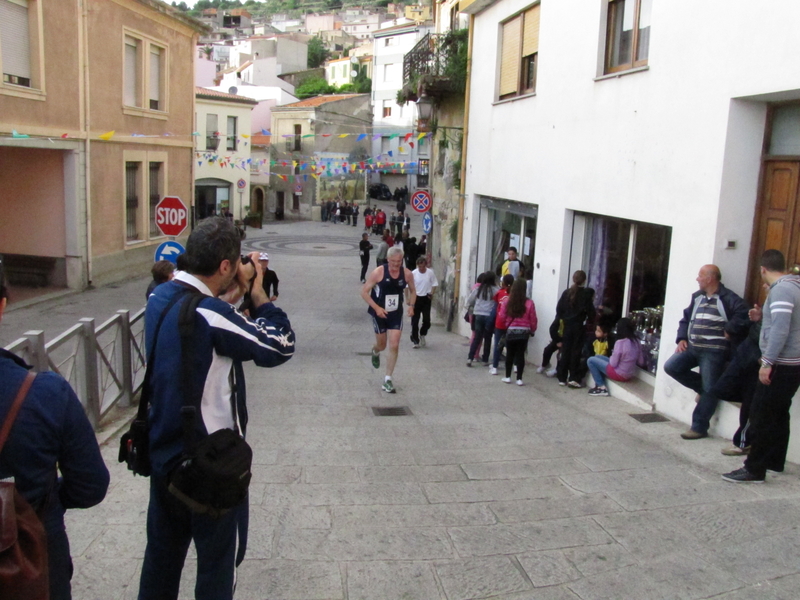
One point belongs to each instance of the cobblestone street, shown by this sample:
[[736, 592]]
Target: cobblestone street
[[485, 491]]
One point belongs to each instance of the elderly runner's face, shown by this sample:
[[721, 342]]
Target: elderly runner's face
[[396, 261]]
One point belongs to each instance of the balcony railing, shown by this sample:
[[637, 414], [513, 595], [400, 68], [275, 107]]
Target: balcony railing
[[437, 64]]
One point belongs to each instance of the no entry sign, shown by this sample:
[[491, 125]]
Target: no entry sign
[[421, 201], [171, 216]]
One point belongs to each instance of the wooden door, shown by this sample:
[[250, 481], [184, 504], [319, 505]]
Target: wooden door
[[777, 219]]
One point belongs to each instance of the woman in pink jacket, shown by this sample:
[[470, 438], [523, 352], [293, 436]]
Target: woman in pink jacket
[[519, 315]]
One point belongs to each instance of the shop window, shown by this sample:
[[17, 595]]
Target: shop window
[[519, 54], [626, 263], [507, 230], [132, 201], [627, 34]]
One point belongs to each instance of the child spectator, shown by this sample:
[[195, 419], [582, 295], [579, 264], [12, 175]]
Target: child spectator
[[556, 329], [162, 272], [499, 325], [622, 364]]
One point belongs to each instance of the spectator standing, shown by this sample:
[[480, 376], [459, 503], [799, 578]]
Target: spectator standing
[[425, 283], [573, 308], [512, 264], [499, 323], [519, 317], [354, 213], [162, 271], [778, 375], [483, 305], [714, 315], [363, 251], [51, 452]]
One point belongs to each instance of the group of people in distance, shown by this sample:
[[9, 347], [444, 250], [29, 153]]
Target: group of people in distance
[[339, 211]]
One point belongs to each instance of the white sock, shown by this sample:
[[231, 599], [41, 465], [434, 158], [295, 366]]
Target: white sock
[[387, 378]]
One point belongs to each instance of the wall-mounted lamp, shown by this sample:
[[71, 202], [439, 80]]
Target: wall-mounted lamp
[[424, 112]]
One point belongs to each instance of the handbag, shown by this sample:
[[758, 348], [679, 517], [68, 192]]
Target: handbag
[[213, 474], [23, 540], [517, 333]]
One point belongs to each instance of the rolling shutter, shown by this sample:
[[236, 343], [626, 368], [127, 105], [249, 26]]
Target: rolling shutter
[[15, 38], [510, 56], [530, 36]]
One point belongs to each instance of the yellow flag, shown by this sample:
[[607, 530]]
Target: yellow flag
[[107, 135], [343, 135]]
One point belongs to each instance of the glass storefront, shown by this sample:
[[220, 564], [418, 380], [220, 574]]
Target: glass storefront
[[509, 224], [626, 263]]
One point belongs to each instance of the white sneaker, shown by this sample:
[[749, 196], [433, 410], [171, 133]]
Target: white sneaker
[[542, 369], [492, 371], [519, 382], [506, 380], [422, 341], [550, 373]]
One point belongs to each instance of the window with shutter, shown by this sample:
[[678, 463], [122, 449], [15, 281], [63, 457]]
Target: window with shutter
[[519, 53], [155, 78], [144, 76], [627, 34], [15, 43], [131, 74]]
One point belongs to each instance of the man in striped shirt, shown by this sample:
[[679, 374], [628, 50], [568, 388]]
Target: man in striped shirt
[[779, 375], [714, 316]]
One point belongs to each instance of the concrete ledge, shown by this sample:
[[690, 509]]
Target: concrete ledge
[[637, 392]]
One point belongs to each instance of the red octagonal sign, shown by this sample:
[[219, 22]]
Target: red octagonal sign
[[171, 215]]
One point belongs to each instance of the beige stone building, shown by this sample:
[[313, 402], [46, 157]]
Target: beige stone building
[[78, 200]]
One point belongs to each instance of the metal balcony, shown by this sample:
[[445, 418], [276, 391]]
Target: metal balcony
[[436, 64]]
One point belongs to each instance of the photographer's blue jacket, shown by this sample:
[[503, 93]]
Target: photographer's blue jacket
[[223, 339]]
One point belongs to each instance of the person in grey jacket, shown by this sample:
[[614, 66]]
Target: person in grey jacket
[[483, 305], [778, 375]]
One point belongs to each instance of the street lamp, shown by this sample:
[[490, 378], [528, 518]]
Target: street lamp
[[424, 112]]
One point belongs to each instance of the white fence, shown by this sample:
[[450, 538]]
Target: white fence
[[104, 365]]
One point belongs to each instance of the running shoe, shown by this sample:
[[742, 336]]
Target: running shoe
[[550, 372], [376, 360], [388, 387], [519, 382], [492, 371], [598, 391], [575, 384], [542, 369], [469, 362], [506, 380]]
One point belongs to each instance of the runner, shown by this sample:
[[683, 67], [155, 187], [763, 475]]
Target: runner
[[384, 291]]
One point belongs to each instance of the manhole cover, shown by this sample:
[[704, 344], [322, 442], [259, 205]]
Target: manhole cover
[[649, 418], [391, 411]]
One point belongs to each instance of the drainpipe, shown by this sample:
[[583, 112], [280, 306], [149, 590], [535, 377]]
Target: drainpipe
[[462, 188], [84, 91]]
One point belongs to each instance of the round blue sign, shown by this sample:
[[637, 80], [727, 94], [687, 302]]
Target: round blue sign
[[169, 250], [427, 223]]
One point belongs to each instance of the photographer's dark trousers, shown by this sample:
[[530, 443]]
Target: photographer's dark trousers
[[171, 527], [422, 308], [738, 384]]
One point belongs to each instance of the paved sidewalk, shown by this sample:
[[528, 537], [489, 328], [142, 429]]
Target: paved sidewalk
[[487, 491]]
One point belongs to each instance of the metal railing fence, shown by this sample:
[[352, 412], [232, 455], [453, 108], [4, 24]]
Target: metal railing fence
[[104, 365]]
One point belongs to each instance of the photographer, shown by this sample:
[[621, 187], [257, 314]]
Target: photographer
[[222, 339]]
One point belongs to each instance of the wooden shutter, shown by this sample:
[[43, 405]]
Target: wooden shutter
[[530, 36], [510, 56], [155, 78], [131, 90], [15, 38]]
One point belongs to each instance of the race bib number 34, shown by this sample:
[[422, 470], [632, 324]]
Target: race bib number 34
[[392, 302]]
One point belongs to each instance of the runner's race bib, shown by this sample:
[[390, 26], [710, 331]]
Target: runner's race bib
[[392, 302]]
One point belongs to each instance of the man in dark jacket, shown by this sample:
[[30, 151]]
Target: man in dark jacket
[[715, 317], [51, 453], [223, 338]]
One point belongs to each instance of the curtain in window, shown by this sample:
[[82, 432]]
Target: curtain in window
[[598, 259]]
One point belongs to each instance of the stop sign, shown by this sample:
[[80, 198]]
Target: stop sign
[[171, 215]]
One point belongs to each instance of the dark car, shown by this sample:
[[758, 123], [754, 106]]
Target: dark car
[[380, 191]]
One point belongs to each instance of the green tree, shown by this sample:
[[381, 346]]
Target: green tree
[[317, 52], [313, 87]]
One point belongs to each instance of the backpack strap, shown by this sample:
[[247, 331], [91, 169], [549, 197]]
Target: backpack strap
[[22, 393], [191, 395]]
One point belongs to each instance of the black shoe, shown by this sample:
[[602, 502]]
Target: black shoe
[[742, 476]]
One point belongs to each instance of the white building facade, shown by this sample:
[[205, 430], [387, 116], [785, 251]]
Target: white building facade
[[390, 120], [638, 158]]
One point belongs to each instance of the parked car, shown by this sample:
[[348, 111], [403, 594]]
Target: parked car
[[380, 191]]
